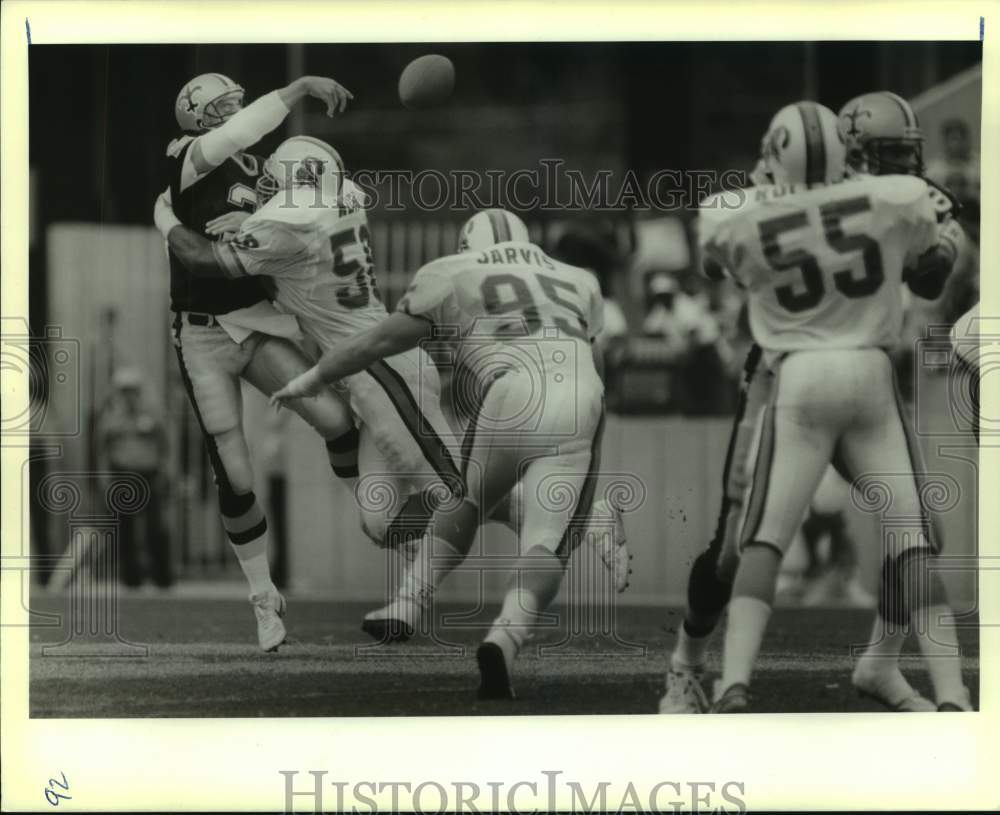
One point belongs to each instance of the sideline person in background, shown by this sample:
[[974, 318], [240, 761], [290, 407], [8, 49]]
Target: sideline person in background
[[131, 438]]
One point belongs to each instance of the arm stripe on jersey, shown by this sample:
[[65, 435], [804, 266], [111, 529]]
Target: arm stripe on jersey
[[226, 257], [815, 144], [434, 449], [501, 231]]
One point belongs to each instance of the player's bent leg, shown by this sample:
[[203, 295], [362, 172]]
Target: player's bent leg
[[274, 362], [209, 363], [552, 528], [794, 446], [398, 401], [710, 579], [911, 591], [442, 547]]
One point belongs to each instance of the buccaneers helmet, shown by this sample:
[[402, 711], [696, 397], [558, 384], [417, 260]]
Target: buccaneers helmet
[[882, 135], [803, 146], [489, 227], [206, 102], [302, 161]]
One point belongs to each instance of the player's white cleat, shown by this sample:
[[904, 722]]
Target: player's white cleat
[[889, 687], [269, 608], [607, 536], [396, 621], [684, 693], [494, 657]]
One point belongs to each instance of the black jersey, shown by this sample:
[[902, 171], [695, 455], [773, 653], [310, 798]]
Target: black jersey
[[227, 188]]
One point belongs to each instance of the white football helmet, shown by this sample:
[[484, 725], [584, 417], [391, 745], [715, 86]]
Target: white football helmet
[[302, 161], [882, 135], [206, 102], [489, 227], [803, 145]]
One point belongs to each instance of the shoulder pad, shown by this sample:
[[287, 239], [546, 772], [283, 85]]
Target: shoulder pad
[[945, 204], [177, 146]]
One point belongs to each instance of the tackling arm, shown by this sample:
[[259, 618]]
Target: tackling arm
[[193, 250], [397, 333]]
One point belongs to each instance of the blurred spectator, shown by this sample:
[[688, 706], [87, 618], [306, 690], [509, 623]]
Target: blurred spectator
[[131, 438], [593, 245], [957, 170], [679, 312]]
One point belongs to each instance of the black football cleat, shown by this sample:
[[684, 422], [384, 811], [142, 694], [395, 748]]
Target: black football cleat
[[494, 677], [387, 629]]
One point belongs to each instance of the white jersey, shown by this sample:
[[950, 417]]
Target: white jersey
[[511, 294], [320, 258], [823, 265]]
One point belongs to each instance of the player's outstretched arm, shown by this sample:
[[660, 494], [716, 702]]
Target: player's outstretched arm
[[193, 250], [250, 125], [395, 334]]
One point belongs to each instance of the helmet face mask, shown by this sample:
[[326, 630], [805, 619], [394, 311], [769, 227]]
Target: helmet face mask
[[895, 156], [206, 102], [221, 108], [882, 134]]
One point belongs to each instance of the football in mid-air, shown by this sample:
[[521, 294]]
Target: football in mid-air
[[426, 82]]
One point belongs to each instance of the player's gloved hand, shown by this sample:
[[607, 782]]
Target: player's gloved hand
[[327, 90], [226, 225], [307, 384]]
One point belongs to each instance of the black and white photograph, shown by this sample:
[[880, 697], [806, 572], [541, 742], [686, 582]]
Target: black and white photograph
[[525, 378]]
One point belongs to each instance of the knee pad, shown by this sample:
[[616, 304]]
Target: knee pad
[[343, 454], [909, 585], [708, 593]]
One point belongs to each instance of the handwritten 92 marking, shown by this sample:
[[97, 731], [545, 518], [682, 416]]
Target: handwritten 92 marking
[[54, 797]]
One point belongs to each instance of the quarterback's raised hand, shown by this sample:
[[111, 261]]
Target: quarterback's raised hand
[[306, 384], [323, 88]]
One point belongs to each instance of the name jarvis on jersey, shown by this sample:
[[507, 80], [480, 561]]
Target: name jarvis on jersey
[[511, 254]]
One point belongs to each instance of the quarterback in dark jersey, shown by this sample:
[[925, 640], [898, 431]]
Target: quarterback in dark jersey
[[226, 330]]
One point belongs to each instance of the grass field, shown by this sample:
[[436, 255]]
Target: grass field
[[202, 661]]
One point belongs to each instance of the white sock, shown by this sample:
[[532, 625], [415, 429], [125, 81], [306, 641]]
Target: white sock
[[885, 644], [689, 652], [745, 628], [516, 622], [253, 561], [939, 646], [421, 578]]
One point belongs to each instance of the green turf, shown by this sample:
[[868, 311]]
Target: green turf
[[202, 661]]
